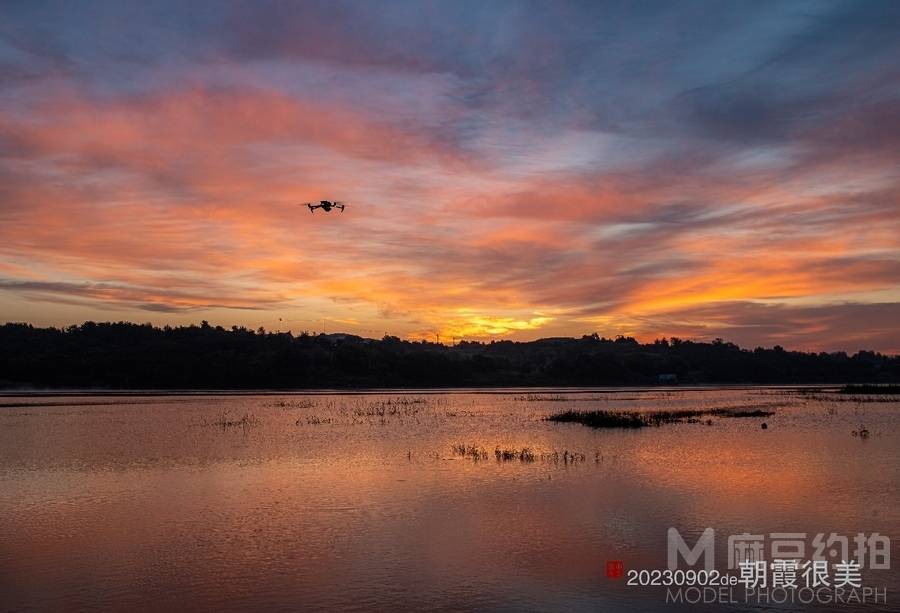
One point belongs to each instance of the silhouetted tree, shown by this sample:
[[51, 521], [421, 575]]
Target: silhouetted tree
[[139, 356]]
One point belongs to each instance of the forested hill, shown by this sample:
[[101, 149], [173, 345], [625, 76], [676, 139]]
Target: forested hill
[[132, 356]]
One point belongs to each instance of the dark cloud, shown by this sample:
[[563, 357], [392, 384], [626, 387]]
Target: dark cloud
[[845, 326], [167, 300]]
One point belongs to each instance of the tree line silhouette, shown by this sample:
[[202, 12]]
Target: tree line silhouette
[[140, 356]]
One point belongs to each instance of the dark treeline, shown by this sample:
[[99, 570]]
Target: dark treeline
[[132, 356]]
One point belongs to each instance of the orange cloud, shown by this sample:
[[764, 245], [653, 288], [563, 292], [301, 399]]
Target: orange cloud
[[184, 201]]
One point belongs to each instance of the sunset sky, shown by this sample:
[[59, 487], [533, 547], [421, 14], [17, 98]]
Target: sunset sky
[[512, 169]]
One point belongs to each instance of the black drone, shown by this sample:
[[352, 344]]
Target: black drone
[[325, 205]]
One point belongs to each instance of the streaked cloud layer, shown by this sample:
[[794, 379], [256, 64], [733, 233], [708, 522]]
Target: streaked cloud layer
[[515, 170]]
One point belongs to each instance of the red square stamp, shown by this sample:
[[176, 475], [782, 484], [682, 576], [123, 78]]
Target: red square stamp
[[615, 569]]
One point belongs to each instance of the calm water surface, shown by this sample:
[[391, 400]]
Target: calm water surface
[[361, 501]]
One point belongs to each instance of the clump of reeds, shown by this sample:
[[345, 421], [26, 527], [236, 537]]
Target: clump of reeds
[[543, 398], [387, 408], [314, 420], [567, 457], [294, 404], [248, 420], [740, 413], [602, 419], [525, 454], [658, 418], [633, 419], [460, 413], [474, 452], [562, 398], [404, 401]]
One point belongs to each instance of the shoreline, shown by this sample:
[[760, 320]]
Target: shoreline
[[409, 391]]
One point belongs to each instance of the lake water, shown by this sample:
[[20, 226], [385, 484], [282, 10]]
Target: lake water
[[365, 502]]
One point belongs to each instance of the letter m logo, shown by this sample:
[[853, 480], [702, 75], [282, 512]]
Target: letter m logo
[[705, 547]]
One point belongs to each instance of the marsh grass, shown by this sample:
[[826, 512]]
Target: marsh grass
[[294, 404], [858, 399], [601, 419], [314, 420], [567, 457], [525, 454], [365, 411], [544, 398], [248, 420], [404, 401], [558, 398], [742, 413], [477, 453], [389, 408], [634, 419], [461, 413]]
